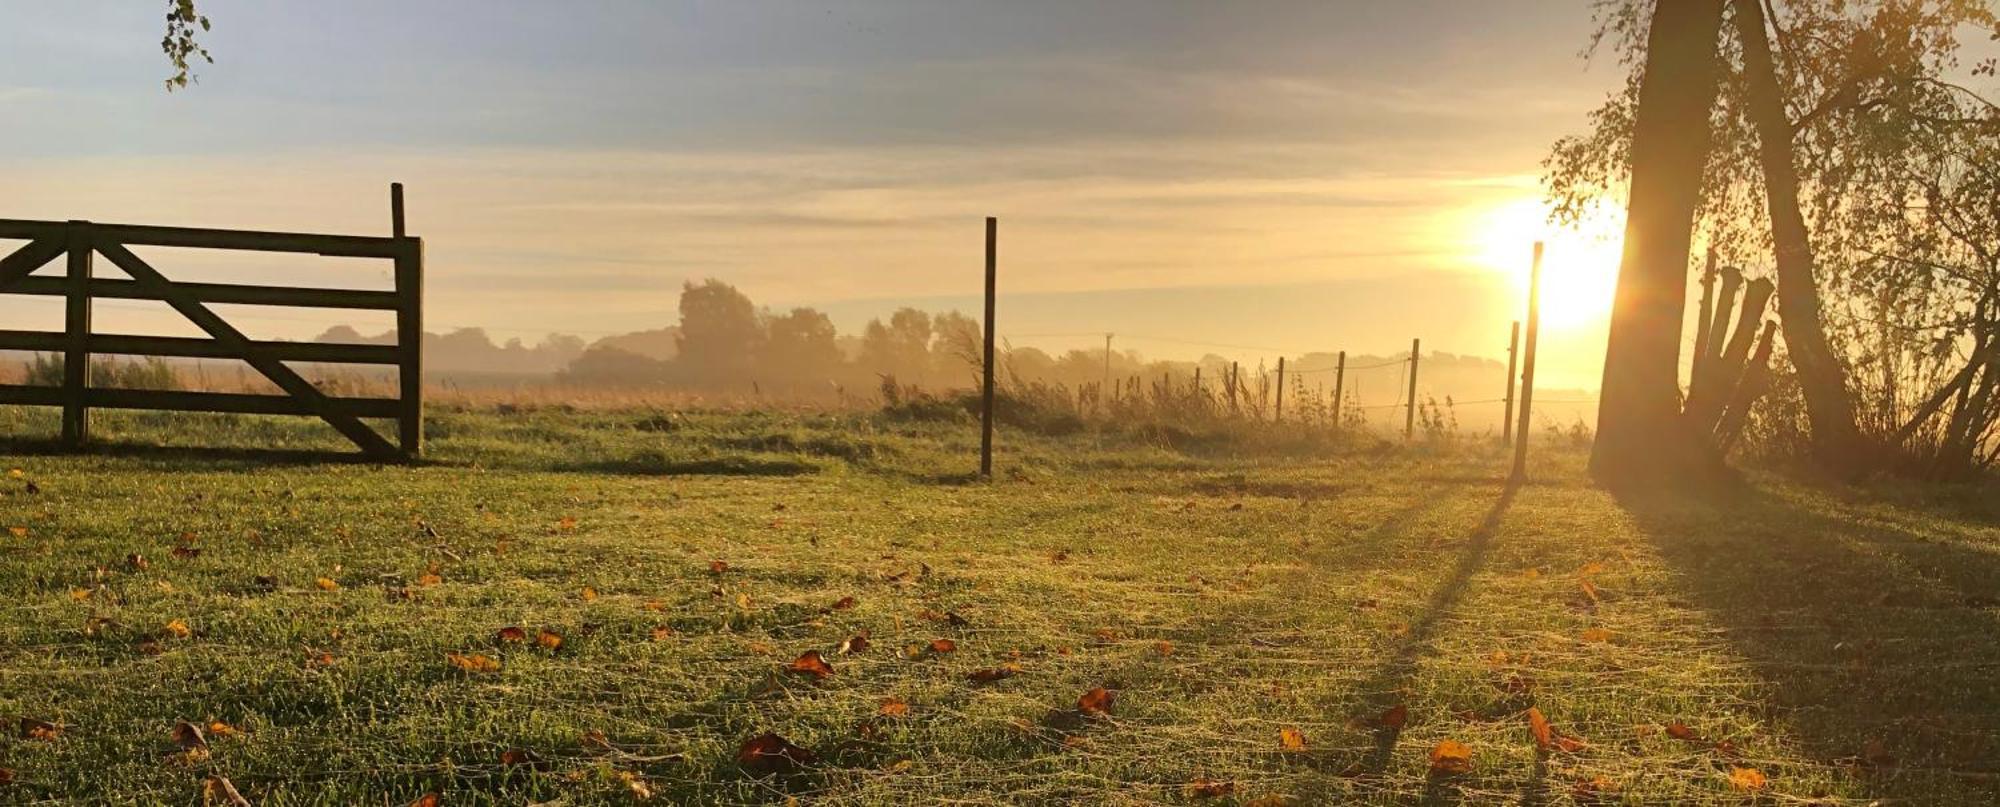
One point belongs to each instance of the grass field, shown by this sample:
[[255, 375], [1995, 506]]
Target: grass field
[[1281, 628]]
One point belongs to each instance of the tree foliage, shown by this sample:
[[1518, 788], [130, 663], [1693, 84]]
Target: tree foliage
[[181, 43]]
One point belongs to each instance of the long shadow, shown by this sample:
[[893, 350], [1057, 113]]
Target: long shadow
[[224, 458], [1875, 631], [1401, 666]]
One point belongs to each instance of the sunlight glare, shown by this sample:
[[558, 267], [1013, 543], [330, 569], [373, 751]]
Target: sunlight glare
[[1579, 266]]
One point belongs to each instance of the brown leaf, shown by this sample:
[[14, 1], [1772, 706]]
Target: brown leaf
[[32, 729], [186, 552], [1395, 718], [943, 645], [842, 604], [1595, 636], [549, 640], [219, 790], [566, 523], [427, 800], [1291, 739], [1163, 647], [991, 674], [811, 663], [1680, 731], [137, 562], [510, 635], [662, 633], [1206, 788], [893, 708], [189, 736], [1096, 702], [1451, 757], [770, 753], [718, 566]]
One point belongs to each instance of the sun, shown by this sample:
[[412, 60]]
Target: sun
[[1579, 264]]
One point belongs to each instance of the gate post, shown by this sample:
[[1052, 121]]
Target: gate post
[[76, 337], [409, 331]]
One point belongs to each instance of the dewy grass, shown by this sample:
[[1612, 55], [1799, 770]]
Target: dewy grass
[[1841, 644]]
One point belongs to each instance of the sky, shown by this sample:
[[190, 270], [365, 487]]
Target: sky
[[1236, 178]]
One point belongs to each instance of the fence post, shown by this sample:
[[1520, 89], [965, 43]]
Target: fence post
[[1410, 419], [1233, 384], [1339, 385], [1528, 365], [81, 244], [986, 384], [1279, 413], [1513, 357], [409, 330]]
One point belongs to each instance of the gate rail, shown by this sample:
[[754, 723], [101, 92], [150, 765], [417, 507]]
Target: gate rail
[[83, 241]]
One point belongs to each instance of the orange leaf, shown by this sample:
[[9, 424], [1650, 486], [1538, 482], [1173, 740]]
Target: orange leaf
[[430, 579], [549, 640], [1680, 731], [893, 708], [1595, 636], [1395, 718], [718, 566], [1096, 702], [587, 593], [1164, 647], [426, 800], [855, 644], [1749, 779], [511, 634], [566, 523], [1451, 757], [326, 584], [842, 604], [177, 629], [1544, 734], [1291, 739], [811, 663], [943, 645], [770, 753], [662, 633], [32, 729], [516, 757], [1589, 590], [473, 662], [221, 729]]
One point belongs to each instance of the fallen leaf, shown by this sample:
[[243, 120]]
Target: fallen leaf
[[189, 736], [473, 662], [893, 708], [176, 629], [326, 584], [1291, 739], [811, 663], [1589, 569], [1206, 788], [770, 753], [1163, 647], [1749, 779], [662, 633], [219, 790], [549, 640], [1680, 731], [18, 532], [991, 674], [1096, 702], [718, 566], [510, 635], [943, 645], [430, 579], [1539, 726], [1394, 718], [842, 604], [1451, 757], [566, 523], [32, 729], [1595, 636], [221, 729], [636, 786], [854, 644], [1589, 590], [587, 593], [186, 552], [427, 800], [137, 562]]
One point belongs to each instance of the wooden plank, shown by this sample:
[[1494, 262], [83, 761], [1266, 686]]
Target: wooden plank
[[275, 370], [225, 293], [410, 341], [195, 348], [76, 335], [31, 256], [180, 401], [335, 246]]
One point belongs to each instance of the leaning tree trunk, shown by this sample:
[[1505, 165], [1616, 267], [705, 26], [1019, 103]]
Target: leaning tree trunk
[[1639, 430], [1822, 380]]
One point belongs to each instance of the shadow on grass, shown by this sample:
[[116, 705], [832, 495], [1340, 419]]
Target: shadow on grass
[[213, 458], [1872, 624], [1401, 667], [729, 465]]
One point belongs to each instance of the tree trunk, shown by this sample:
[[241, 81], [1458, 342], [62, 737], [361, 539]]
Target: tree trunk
[[1822, 380], [1640, 434]]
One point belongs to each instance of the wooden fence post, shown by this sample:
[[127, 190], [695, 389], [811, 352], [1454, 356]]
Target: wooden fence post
[[76, 337], [1339, 386], [1528, 366], [1279, 413], [1513, 358], [1410, 419], [986, 383], [409, 330], [1234, 382]]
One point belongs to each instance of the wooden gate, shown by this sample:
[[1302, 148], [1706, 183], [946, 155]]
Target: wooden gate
[[83, 241]]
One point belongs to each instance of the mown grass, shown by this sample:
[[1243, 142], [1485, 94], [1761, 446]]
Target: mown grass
[[1840, 642]]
